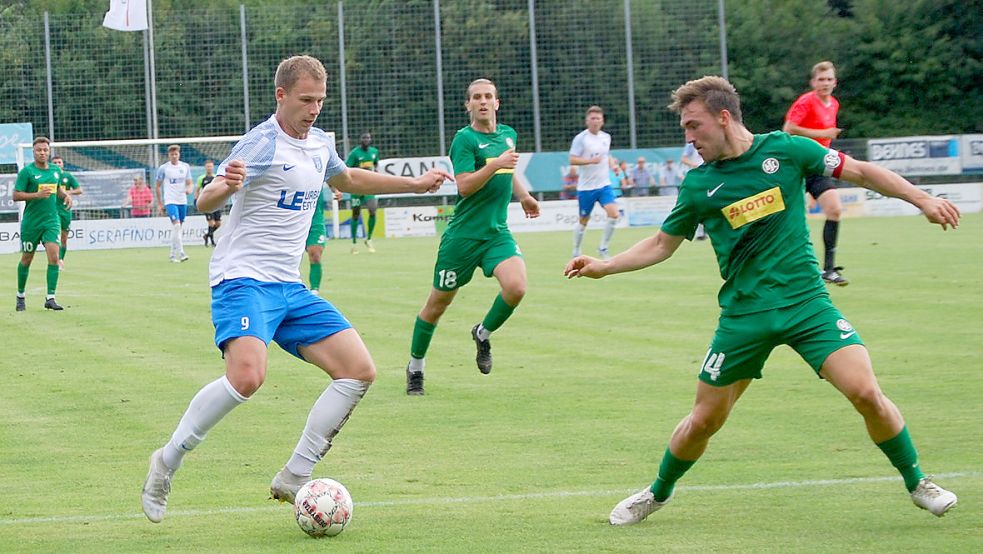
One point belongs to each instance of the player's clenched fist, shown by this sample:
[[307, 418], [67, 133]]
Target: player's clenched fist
[[235, 174], [507, 159]]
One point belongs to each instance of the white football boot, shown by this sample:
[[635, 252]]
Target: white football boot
[[157, 487], [635, 508], [931, 497]]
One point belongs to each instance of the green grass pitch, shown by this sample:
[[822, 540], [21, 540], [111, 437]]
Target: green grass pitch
[[590, 378]]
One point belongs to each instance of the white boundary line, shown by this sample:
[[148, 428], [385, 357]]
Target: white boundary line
[[480, 499]]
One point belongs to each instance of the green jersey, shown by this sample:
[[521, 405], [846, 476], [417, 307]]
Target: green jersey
[[205, 180], [317, 222], [482, 215], [68, 181], [363, 158], [753, 208], [40, 212]]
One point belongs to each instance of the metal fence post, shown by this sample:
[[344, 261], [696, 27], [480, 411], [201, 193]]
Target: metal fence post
[[47, 67], [630, 62], [723, 38], [342, 82], [440, 78], [245, 67], [537, 131]]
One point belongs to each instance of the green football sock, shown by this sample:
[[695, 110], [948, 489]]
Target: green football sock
[[316, 272], [371, 226], [52, 278], [422, 333], [496, 316], [901, 451], [22, 271], [670, 470], [354, 222], [61, 252]]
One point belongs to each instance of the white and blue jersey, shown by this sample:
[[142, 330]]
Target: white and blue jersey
[[591, 146], [271, 214], [174, 179]]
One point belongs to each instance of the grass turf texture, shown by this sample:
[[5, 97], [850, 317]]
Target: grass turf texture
[[590, 378]]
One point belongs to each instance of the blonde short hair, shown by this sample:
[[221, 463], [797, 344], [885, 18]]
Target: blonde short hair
[[715, 92], [291, 69], [822, 66]]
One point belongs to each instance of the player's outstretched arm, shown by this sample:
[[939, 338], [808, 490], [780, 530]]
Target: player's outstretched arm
[[361, 181], [217, 193], [876, 178], [653, 250]]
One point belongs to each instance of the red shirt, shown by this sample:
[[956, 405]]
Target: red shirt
[[140, 200], [809, 111]]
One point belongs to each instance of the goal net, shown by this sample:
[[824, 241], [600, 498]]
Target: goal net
[[106, 170]]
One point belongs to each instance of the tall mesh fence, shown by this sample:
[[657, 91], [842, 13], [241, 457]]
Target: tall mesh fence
[[100, 78]]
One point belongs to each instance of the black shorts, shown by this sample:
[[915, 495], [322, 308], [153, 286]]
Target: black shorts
[[213, 216], [818, 184]]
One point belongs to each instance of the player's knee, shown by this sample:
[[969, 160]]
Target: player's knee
[[705, 425], [247, 378], [833, 212], [514, 293], [361, 370], [867, 399]]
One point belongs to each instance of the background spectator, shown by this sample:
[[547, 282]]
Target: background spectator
[[642, 178], [570, 180]]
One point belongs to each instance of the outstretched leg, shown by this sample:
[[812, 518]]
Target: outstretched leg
[[849, 370]]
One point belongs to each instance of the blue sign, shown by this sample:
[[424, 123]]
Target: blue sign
[[12, 134]]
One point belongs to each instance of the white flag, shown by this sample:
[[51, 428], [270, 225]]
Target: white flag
[[126, 15]]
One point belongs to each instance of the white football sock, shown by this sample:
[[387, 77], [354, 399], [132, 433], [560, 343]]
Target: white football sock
[[578, 237], [483, 333], [176, 246], [329, 413], [608, 231], [208, 407], [416, 364]]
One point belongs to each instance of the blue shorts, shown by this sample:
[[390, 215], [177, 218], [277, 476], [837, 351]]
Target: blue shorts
[[177, 212], [285, 312], [587, 198]]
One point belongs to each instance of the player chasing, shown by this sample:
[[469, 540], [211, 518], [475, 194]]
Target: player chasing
[[484, 159], [750, 198], [276, 172], [813, 115], [39, 187], [589, 151], [366, 157], [72, 188], [175, 176]]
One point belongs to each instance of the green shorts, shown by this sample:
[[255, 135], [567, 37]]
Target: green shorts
[[316, 236], [66, 220], [741, 345], [33, 236], [367, 200], [457, 258]]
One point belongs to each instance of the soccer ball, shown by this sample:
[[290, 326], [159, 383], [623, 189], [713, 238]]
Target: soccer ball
[[323, 508]]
